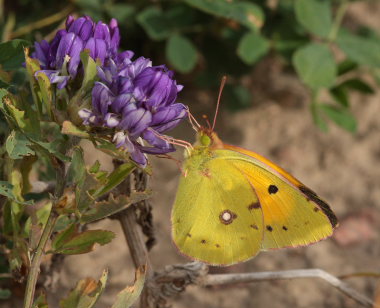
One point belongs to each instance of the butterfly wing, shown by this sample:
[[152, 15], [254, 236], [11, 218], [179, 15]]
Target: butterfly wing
[[293, 214], [216, 218]]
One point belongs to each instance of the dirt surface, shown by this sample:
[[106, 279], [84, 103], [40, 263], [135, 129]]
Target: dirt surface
[[343, 168]]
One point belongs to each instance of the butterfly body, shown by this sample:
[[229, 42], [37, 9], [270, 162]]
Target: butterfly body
[[231, 203]]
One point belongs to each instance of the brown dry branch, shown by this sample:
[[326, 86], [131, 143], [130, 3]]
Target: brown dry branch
[[174, 279]]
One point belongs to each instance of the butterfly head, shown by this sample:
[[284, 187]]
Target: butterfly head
[[206, 137]]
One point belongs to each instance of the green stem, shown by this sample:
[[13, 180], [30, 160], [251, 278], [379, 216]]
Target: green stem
[[338, 20], [46, 233], [36, 260]]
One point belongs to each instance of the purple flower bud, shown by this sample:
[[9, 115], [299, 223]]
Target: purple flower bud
[[155, 87], [100, 39], [98, 49], [83, 27]]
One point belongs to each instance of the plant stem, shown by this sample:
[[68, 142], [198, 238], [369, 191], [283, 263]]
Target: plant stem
[[42, 22], [46, 233], [36, 260], [341, 11]]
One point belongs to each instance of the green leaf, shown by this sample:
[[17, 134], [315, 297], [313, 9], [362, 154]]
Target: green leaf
[[121, 11], [70, 242], [129, 295], [358, 85], [341, 116], [41, 302], [237, 97], [181, 53], [154, 23], [315, 16], [52, 148], [68, 128], [14, 116], [365, 51], [340, 94], [5, 293], [252, 47], [6, 189], [90, 70], [18, 145], [112, 206], [346, 66], [115, 178], [35, 222], [12, 54], [315, 65], [110, 149], [243, 12], [77, 169], [86, 293], [46, 92]]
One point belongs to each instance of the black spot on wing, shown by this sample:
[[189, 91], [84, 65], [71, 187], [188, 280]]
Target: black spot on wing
[[284, 228], [322, 204], [269, 228], [254, 205], [272, 189]]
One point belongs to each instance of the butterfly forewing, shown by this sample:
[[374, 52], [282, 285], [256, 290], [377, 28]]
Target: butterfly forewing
[[216, 216]]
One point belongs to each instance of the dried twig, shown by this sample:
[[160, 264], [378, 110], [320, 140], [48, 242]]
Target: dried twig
[[174, 279], [132, 230]]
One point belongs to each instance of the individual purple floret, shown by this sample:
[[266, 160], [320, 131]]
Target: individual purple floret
[[138, 100], [60, 59]]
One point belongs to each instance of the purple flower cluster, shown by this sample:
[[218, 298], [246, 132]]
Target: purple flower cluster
[[60, 59], [138, 100], [132, 97]]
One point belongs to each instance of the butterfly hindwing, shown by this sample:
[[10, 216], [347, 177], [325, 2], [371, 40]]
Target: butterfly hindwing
[[216, 216], [293, 214]]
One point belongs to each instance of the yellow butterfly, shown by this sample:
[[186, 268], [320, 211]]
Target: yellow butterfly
[[231, 203]]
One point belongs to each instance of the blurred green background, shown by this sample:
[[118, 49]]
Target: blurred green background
[[202, 40]]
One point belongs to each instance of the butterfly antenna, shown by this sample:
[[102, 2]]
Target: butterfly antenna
[[222, 84]]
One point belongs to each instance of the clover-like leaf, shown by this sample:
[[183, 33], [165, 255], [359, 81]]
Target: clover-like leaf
[[315, 65], [155, 23], [315, 16], [341, 117], [252, 47], [181, 53], [365, 51]]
